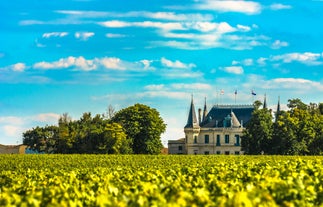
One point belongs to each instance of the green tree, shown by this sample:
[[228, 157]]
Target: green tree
[[143, 126], [296, 103], [320, 108], [41, 139], [298, 131], [257, 137]]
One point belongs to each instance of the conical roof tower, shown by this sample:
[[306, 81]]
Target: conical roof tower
[[278, 108], [192, 120], [204, 111], [265, 102]]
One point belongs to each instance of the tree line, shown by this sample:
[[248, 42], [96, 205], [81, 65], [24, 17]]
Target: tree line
[[136, 129], [297, 131]]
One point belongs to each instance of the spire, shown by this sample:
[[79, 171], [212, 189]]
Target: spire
[[204, 111], [191, 121], [265, 103], [278, 108]]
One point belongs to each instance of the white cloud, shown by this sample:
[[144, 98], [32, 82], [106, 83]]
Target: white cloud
[[30, 22], [307, 58], [291, 85], [115, 24], [10, 120], [233, 69], [12, 131], [18, 67], [112, 63], [54, 34], [76, 62], [278, 44], [243, 28], [114, 35], [277, 6], [262, 61], [46, 118], [84, 35], [155, 87], [170, 16], [246, 7], [176, 64]]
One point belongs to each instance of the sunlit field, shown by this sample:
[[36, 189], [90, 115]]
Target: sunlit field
[[141, 180]]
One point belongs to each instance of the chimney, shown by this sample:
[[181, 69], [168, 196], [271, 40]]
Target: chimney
[[200, 112]]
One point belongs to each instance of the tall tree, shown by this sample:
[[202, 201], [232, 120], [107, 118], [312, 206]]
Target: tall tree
[[257, 137], [143, 126]]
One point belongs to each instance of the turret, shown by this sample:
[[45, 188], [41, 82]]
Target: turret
[[278, 108], [204, 111], [192, 120], [265, 103]]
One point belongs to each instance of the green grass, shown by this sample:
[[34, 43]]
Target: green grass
[[140, 180]]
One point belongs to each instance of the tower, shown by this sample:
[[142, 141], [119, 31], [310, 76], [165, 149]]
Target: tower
[[204, 111], [192, 128], [278, 109], [265, 103]]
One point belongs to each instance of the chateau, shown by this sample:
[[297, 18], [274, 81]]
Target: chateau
[[218, 131]]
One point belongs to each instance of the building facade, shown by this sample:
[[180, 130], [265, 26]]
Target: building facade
[[218, 131], [12, 149]]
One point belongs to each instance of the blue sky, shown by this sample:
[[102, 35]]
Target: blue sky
[[79, 56]]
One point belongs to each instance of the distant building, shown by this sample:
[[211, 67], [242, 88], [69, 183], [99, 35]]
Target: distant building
[[218, 131], [12, 149]]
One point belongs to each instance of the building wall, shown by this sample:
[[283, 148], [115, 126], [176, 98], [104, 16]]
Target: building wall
[[12, 149], [177, 147], [214, 141]]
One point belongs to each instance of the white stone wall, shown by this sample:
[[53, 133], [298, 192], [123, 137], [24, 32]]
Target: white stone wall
[[200, 147]]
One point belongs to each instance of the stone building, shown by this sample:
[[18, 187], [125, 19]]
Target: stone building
[[12, 149], [218, 131]]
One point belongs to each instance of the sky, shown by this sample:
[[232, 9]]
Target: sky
[[76, 56]]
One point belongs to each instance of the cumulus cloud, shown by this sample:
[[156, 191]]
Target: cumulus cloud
[[278, 44], [80, 63], [176, 64], [246, 7], [77, 62], [307, 58], [18, 67], [112, 63], [233, 69]]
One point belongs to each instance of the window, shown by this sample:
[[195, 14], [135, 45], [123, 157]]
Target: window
[[237, 153], [195, 139], [218, 152], [227, 152], [206, 152], [206, 139], [180, 148], [196, 152], [237, 139], [218, 143], [227, 139]]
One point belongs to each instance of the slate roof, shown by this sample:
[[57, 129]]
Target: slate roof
[[192, 120], [218, 113]]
